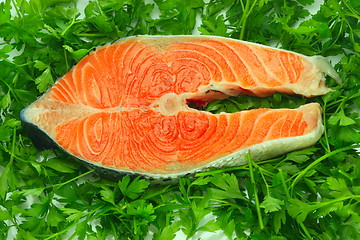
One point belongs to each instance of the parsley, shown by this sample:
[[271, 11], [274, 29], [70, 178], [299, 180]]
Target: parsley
[[312, 193]]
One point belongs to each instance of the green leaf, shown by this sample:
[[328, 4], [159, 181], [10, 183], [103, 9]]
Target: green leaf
[[341, 118], [38, 210], [279, 218], [227, 187], [79, 54], [299, 210], [302, 30], [44, 81], [4, 215], [68, 48], [40, 65], [141, 209], [338, 136], [60, 165], [214, 25], [54, 218], [73, 214], [306, 2], [132, 189], [25, 235], [81, 229], [289, 167], [5, 133], [210, 226], [32, 191], [7, 180], [5, 13], [330, 96], [338, 187], [328, 208], [5, 100], [213, 106], [168, 232], [107, 195], [12, 123], [229, 228], [69, 192], [5, 50], [301, 156], [200, 181], [271, 204], [25, 96]]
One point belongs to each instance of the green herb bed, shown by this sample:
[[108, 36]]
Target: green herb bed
[[309, 194]]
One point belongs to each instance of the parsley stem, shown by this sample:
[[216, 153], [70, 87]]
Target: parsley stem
[[286, 190], [91, 35], [244, 167], [73, 179], [19, 66], [218, 202], [264, 179], [217, 171], [100, 10], [342, 199], [242, 6], [257, 203], [263, 170], [18, 158], [334, 103], [305, 231], [346, 175], [17, 9], [66, 60], [157, 193], [338, 35], [13, 146], [247, 9], [352, 10], [73, 21], [15, 78], [62, 231], [327, 147]]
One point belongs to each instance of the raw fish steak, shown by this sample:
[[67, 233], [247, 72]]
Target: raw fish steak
[[125, 105]]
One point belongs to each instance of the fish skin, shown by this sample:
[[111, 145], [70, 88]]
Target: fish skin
[[171, 104]]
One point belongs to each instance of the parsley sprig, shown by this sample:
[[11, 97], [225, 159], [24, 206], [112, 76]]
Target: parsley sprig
[[313, 193]]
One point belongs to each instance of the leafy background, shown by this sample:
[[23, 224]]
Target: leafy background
[[309, 194]]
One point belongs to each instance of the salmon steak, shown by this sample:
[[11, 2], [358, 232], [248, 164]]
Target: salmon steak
[[125, 106]]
